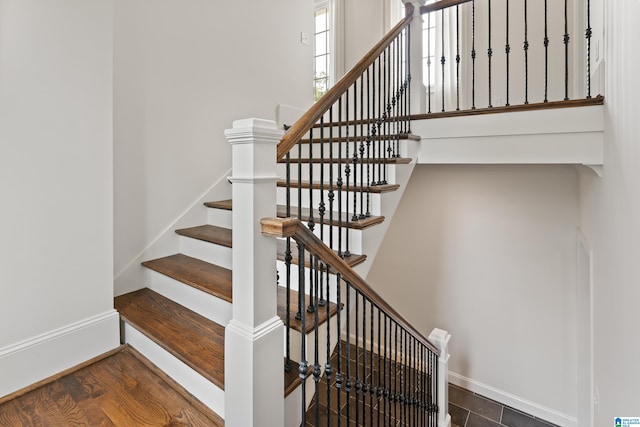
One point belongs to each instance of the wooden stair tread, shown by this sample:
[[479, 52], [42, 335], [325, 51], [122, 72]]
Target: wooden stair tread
[[192, 338], [352, 260], [220, 204], [359, 224], [309, 318], [209, 278], [343, 138], [382, 188], [388, 160], [208, 233], [281, 212]]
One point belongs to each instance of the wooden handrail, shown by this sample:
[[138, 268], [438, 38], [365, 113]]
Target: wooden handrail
[[292, 227], [306, 122], [442, 4], [571, 103]]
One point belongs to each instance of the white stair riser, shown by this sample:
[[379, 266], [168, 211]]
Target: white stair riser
[[207, 305], [346, 200], [219, 217], [206, 251], [205, 391]]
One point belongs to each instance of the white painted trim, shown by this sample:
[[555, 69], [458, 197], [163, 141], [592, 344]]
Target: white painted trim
[[253, 179], [513, 401], [39, 357], [204, 390]]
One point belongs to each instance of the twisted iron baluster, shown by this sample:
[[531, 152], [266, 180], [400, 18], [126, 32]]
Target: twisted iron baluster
[[507, 51], [473, 55], [526, 54], [546, 55], [565, 40], [490, 55]]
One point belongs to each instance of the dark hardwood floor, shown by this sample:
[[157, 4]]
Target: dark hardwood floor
[[123, 389]]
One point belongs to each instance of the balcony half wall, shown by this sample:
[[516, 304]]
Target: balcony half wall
[[550, 136]]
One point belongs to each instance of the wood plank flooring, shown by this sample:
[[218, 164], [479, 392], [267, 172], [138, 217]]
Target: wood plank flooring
[[121, 390]]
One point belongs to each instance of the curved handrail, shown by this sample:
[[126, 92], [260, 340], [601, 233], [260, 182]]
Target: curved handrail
[[292, 227], [306, 122]]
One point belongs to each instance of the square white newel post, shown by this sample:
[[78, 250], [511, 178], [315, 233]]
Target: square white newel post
[[254, 373], [417, 87], [440, 339]]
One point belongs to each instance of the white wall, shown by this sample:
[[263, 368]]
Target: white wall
[[488, 253], [182, 73], [610, 212], [56, 183]]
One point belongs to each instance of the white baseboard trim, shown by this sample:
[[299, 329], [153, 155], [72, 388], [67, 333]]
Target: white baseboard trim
[[516, 402], [42, 356]]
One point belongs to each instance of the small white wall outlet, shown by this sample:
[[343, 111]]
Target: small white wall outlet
[[304, 39]]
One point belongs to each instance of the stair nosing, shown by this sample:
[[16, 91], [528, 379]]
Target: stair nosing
[[222, 288]]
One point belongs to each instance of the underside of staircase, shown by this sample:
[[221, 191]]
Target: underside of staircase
[[178, 320]]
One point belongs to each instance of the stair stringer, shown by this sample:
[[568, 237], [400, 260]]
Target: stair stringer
[[373, 236]]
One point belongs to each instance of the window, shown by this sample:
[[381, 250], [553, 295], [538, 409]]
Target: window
[[322, 75]]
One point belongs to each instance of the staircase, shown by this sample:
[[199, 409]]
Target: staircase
[[178, 320]]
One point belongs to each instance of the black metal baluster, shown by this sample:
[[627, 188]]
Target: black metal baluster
[[339, 376], [311, 224], [385, 383], [315, 278], [328, 370], [379, 122], [356, 136], [525, 46], [565, 40], [287, 263], [588, 34], [371, 111], [348, 384], [443, 59], [347, 173], [408, 72], [364, 388], [429, 62], [546, 54], [489, 54], [507, 51], [379, 389], [331, 193], [387, 117], [457, 57], [322, 206], [303, 349], [362, 141], [473, 55], [339, 182], [358, 386], [396, 396], [371, 372]]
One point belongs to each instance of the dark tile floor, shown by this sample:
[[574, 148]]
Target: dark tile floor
[[468, 409]]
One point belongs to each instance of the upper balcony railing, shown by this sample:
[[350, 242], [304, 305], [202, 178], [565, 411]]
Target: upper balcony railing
[[483, 54]]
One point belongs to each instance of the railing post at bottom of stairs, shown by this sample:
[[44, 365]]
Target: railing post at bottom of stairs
[[440, 338], [254, 375]]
